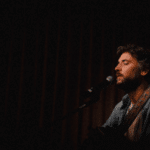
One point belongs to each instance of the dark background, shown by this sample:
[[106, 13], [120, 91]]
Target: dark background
[[51, 52]]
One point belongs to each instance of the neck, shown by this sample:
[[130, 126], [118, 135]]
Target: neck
[[135, 95]]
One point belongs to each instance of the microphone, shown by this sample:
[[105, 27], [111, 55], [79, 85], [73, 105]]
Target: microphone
[[95, 90]]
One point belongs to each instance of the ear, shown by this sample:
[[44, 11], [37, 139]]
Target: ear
[[144, 72]]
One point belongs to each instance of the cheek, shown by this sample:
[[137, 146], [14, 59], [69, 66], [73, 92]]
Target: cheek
[[131, 72], [136, 70]]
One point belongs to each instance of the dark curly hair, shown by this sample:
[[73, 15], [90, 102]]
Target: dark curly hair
[[140, 53]]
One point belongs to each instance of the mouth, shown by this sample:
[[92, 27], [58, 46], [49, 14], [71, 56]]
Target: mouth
[[119, 78]]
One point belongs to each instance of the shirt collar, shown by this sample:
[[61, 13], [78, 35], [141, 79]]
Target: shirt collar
[[126, 100]]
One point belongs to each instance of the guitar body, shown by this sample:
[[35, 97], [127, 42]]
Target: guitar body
[[106, 139]]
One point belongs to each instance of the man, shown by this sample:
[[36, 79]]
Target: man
[[132, 75]]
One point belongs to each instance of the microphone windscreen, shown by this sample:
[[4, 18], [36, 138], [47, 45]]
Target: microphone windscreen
[[109, 79]]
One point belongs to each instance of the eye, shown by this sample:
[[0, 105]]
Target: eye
[[126, 63]]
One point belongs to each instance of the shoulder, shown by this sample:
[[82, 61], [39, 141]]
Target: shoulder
[[117, 113], [146, 108]]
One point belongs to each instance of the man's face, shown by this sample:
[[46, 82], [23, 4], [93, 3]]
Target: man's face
[[127, 71]]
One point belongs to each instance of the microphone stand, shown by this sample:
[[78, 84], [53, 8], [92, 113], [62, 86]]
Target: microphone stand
[[94, 98]]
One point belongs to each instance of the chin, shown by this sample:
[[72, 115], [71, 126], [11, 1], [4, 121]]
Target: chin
[[127, 86]]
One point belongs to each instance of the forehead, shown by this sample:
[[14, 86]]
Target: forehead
[[126, 56]]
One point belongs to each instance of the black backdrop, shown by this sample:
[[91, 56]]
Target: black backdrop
[[51, 52]]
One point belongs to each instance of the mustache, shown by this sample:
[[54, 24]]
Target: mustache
[[118, 74]]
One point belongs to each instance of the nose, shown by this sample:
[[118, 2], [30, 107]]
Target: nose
[[117, 67]]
